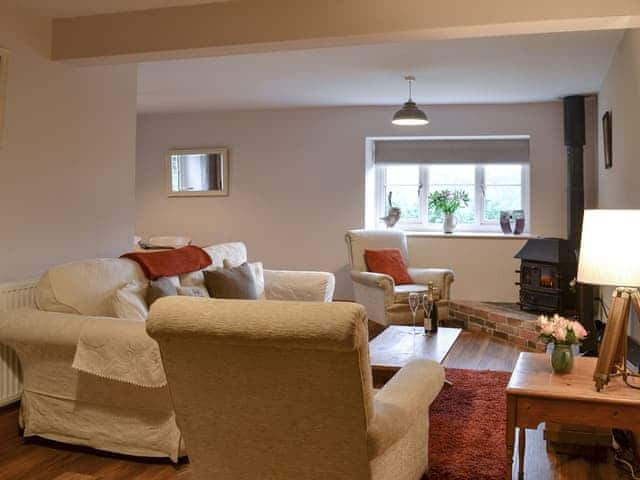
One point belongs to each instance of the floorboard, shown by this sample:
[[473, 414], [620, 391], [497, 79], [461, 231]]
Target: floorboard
[[37, 459]]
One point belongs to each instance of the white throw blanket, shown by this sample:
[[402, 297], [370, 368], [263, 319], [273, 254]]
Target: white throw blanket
[[126, 354]]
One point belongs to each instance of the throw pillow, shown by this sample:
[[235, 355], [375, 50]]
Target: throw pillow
[[389, 261], [193, 292], [162, 287], [237, 282], [128, 302], [258, 274]]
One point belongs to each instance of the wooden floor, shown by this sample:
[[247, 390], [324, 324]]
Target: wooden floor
[[43, 460]]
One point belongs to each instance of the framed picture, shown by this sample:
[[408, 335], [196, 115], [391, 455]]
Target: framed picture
[[198, 172], [607, 140], [4, 66]]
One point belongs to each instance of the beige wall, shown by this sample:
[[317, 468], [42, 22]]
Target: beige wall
[[620, 93], [67, 178], [297, 184]]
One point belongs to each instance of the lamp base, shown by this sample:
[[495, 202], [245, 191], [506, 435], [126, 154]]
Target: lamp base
[[612, 361]]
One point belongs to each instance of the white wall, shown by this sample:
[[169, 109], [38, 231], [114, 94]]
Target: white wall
[[68, 164], [618, 187], [297, 184]]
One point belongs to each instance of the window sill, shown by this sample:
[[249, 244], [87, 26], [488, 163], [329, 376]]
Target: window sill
[[462, 234]]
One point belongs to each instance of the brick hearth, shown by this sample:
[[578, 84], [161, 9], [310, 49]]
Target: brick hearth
[[502, 321]]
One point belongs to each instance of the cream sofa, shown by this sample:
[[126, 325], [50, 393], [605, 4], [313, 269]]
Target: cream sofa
[[285, 392], [61, 403], [387, 303]]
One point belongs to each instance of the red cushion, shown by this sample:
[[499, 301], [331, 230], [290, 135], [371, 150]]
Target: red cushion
[[389, 261]]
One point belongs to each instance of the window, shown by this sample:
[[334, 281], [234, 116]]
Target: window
[[491, 188]]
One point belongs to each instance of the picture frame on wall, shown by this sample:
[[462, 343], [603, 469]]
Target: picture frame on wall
[[4, 67], [607, 140]]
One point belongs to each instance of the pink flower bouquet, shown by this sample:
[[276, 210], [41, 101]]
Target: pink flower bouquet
[[560, 330]]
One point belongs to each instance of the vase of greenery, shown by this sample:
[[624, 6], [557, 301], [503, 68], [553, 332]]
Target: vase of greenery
[[448, 202], [562, 333]]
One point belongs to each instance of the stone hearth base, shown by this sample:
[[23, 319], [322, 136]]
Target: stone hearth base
[[503, 321]]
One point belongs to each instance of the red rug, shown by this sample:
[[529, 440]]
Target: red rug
[[466, 439]]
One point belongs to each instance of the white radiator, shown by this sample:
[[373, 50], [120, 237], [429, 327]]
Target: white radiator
[[13, 295]]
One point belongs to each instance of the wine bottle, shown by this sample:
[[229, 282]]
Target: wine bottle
[[431, 325]]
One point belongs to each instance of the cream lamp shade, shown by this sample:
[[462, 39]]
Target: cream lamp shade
[[610, 248]]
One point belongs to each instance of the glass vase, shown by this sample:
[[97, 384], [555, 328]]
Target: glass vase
[[562, 358]]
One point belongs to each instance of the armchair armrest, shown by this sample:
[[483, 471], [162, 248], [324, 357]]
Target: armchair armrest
[[30, 326], [442, 277], [403, 401], [375, 291], [300, 286]]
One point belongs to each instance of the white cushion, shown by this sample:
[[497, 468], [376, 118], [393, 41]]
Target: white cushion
[[129, 302], [86, 287], [235, 252], [401, 292]]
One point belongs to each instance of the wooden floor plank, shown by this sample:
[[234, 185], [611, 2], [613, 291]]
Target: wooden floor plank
[[42, 460]]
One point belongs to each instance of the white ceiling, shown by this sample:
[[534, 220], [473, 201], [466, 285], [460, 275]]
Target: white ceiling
[[77, 8], [489, 70]]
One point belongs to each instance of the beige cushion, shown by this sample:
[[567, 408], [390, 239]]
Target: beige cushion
[[129, 302], [401, 292], [193, 292], [196, 279], [86, 287], [231, 282], [236, 252]]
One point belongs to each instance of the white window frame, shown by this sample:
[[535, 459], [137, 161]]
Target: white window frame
[[423, 225]]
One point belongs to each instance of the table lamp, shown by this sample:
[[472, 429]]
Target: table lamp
[[610, 255]]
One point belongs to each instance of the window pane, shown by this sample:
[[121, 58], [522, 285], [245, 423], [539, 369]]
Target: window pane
[[464, 215], [403, 175], [406, 199], [452, 174], [502, 174], [501, 198]]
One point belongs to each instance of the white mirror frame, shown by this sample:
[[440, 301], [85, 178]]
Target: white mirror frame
[[4, 67], [194, 151]]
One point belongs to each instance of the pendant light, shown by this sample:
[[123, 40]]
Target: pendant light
[[410, 114]]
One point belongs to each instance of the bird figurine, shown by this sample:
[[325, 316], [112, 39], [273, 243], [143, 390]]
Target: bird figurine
[[393, 215]]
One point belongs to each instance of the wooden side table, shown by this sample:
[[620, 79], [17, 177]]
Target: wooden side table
[[535, 395]]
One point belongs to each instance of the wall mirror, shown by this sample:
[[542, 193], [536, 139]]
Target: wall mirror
[[198, 172]]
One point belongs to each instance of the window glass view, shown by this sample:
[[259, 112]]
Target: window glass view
[[502, 190], [402, 190], [453, 177], [491, 188]]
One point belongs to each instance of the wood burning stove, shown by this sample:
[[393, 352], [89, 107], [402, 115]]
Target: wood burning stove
[[547, 266]]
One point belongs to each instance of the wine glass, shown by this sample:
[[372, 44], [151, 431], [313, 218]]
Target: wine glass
[[414, 304]]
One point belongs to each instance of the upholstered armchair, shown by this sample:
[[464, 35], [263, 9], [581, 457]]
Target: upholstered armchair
[[387, 303], [283, 391]]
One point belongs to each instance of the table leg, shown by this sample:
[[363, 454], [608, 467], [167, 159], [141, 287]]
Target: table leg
[[510, 435], [522, 435]]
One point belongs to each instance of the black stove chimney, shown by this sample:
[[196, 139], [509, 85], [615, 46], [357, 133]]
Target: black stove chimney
[[574, 140]]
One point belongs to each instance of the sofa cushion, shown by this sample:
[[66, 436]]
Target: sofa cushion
[[401, 292], [196, 279], [162, 287], [235, 252], [86, 287], [235, 282], [129, 302]]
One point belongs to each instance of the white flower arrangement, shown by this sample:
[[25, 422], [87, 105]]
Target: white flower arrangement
[[560, 330]]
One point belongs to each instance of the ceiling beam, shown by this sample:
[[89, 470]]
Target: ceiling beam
[[248, 26]]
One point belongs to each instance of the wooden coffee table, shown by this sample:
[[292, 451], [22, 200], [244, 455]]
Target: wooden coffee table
[[395, 347], [535, 395]]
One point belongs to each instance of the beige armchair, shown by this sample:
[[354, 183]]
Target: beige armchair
[[385, 302], [283, 391]]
